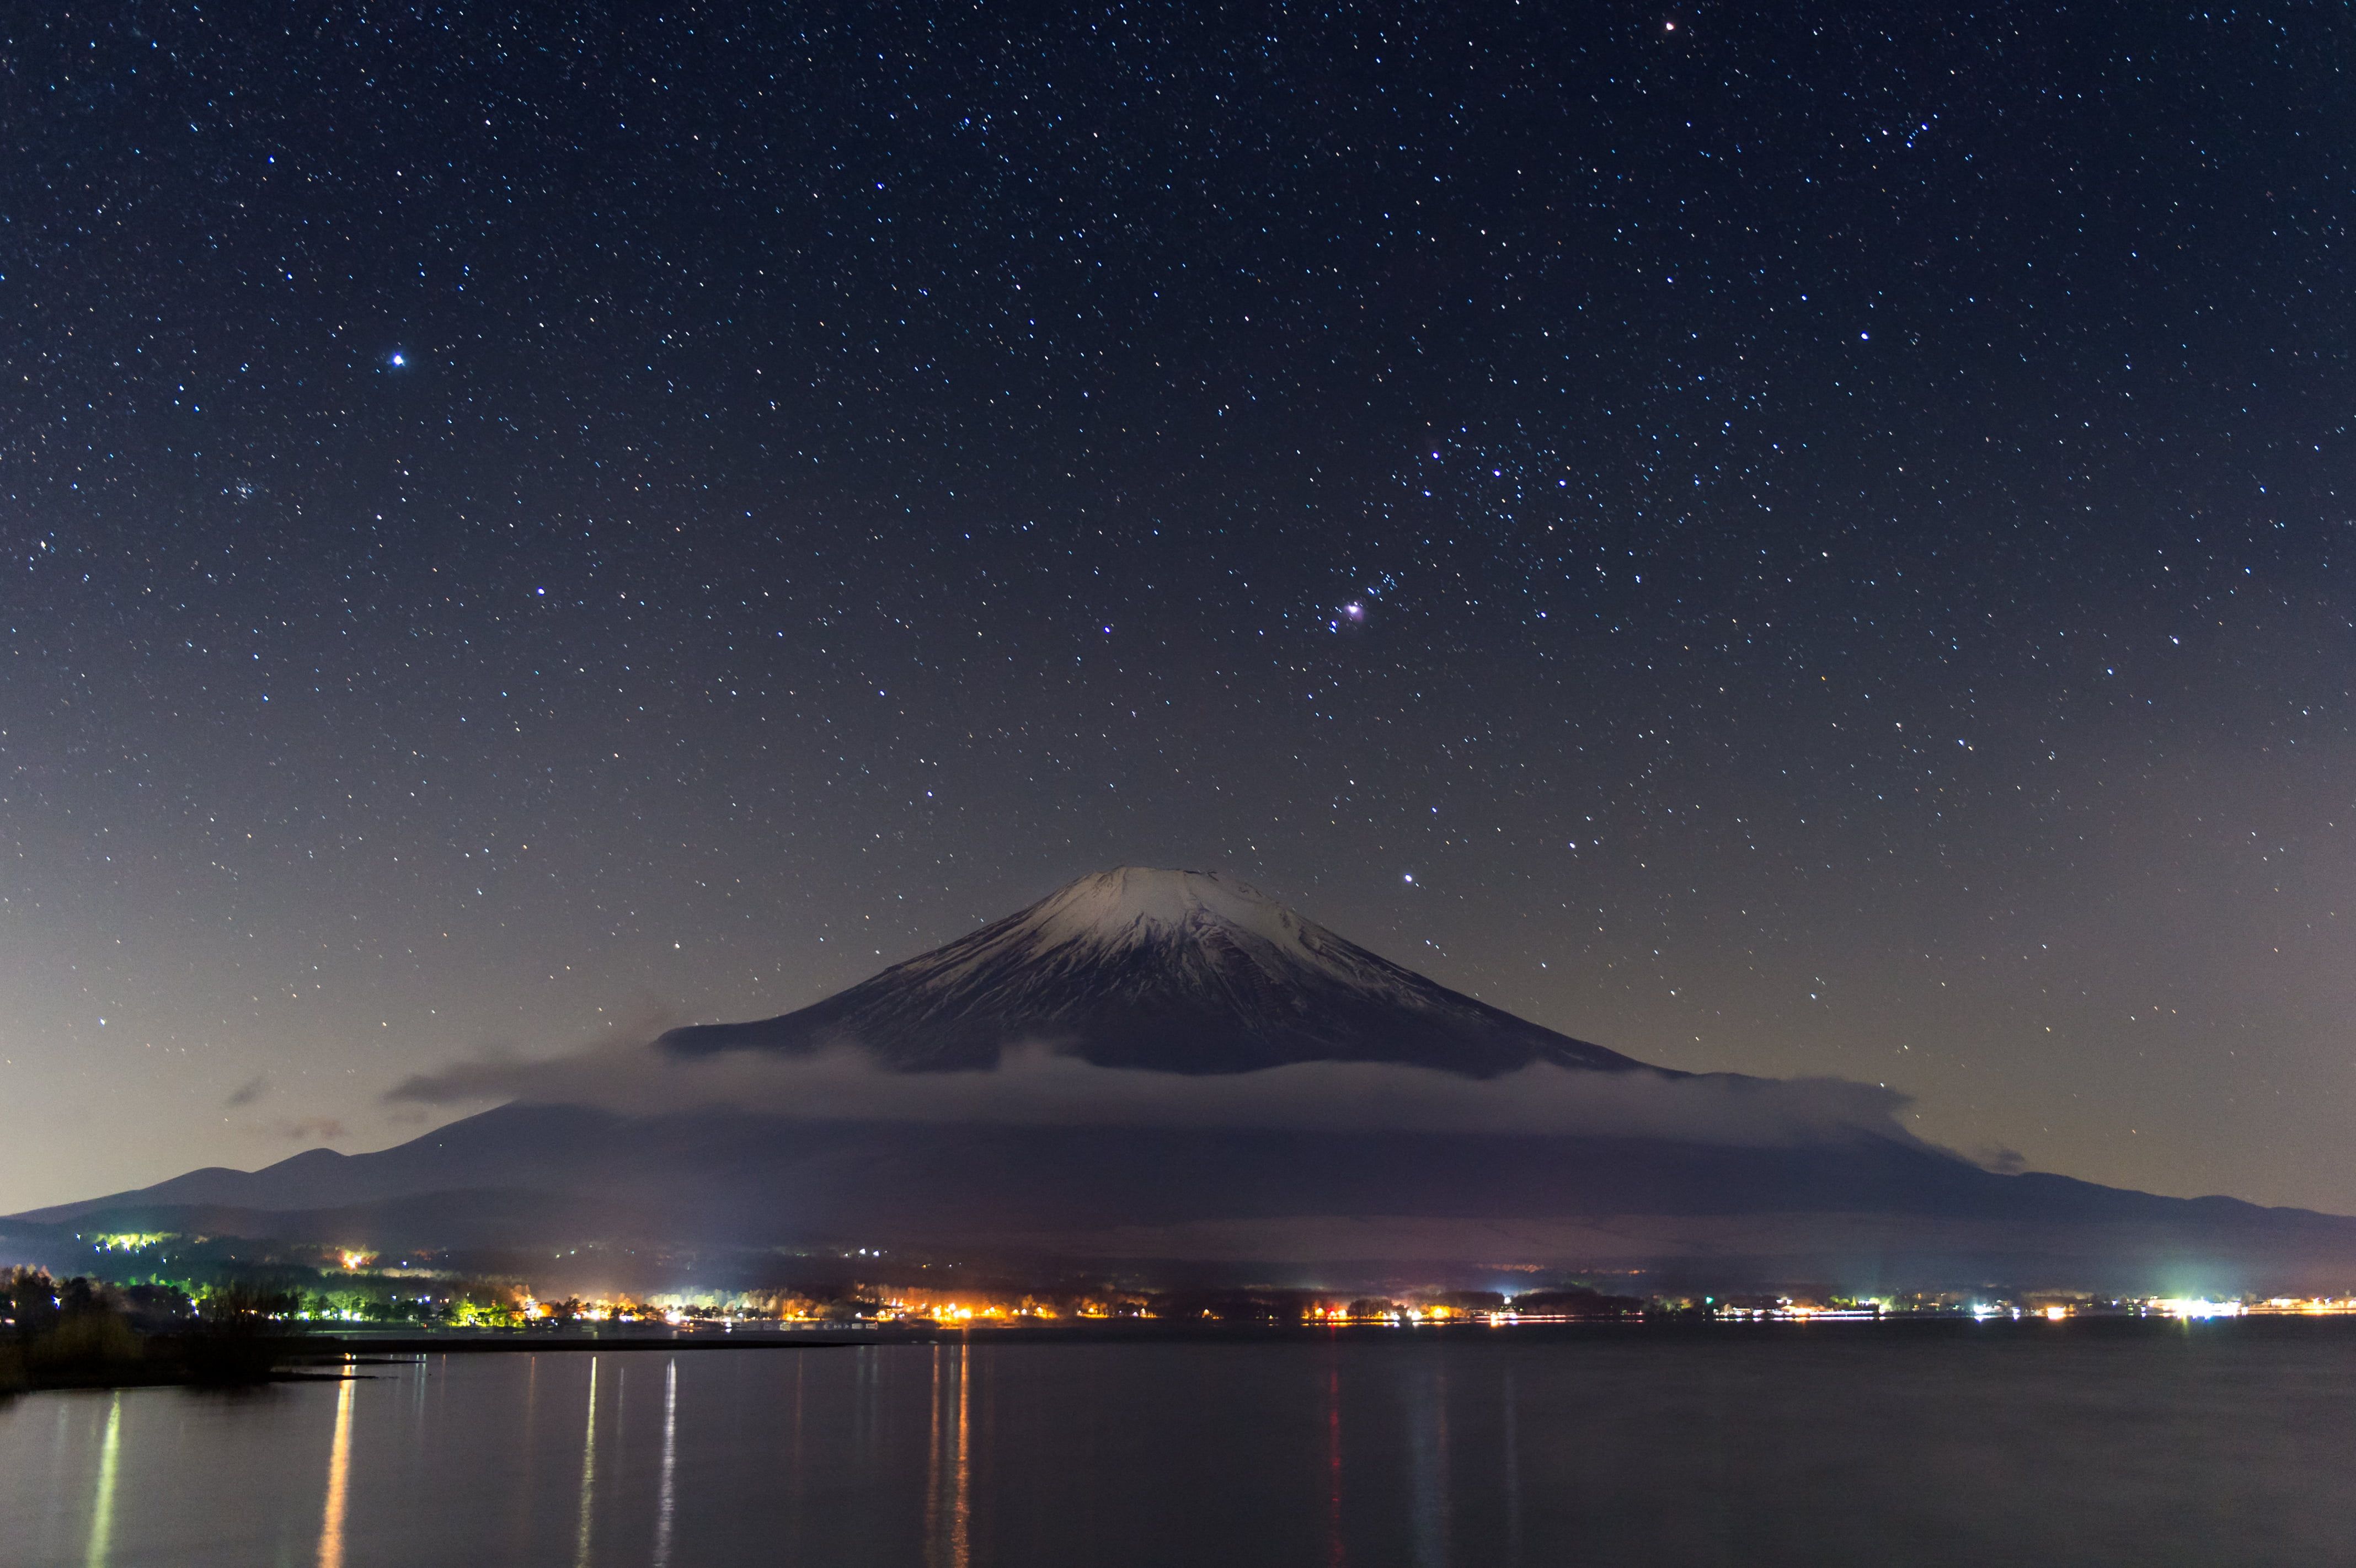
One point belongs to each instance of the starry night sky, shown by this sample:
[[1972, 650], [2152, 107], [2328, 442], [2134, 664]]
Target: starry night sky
[[517, 529]]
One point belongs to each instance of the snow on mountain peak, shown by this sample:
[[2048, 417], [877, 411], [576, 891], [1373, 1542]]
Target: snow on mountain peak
[[1132, 904], [1171, 970]]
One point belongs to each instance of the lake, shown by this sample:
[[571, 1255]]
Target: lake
[[1821, 1444]]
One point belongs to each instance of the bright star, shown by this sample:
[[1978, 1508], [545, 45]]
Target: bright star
[[399, 361]]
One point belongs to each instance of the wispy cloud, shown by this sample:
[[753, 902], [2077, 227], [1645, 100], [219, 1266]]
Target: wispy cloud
[[1035, 1086]]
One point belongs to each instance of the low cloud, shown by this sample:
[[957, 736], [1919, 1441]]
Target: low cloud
[[247, 1093], [1035, 1086], [311, 1129]]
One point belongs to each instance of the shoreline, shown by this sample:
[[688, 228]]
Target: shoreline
[[308, 1358]]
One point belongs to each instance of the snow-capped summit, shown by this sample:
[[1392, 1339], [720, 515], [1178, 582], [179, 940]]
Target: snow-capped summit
[[1140, 902], [1174, 971]]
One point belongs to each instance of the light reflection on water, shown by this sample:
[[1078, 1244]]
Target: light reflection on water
[[949, 1476], [339, 1475], [666, 1498], [101, 1513], [588, 1476], [1728, 1448]]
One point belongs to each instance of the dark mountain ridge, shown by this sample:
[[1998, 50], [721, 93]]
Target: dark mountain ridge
[[1309, 1205], [1175, 977]]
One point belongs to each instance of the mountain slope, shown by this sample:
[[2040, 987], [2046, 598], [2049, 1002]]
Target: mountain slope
[[1340, 1205], [1172, 971], [1194, 982]]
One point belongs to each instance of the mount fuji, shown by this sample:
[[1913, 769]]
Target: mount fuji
[[1167, 971], [1165, 1070]]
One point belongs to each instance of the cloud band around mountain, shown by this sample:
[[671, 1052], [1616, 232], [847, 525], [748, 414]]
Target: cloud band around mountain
[[1034, 1086]]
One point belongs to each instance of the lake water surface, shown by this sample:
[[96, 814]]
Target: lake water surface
[[1819, 1444]]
